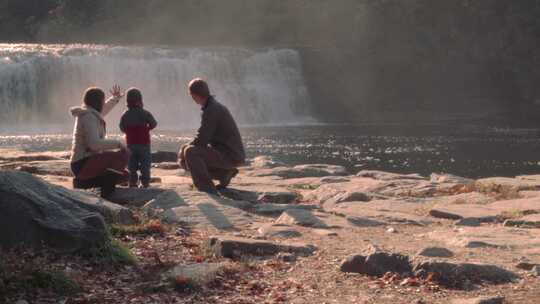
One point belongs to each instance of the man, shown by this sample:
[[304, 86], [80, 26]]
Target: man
[[217, 150]]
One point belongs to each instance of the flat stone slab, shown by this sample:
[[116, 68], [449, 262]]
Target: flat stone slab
[[388, 211], [200, 210], [324, 232], [14, 155], [329, 191], [167, 166], [261, 193], [264, 162], [480, 300], [435, 252], [449, 178], [489, 212], [51, 167], [136, 197], [388, 176], [279, 197], [488, 237], [459, 275], [529, 221], [523, 206], [283, 231], [233, 247], [278, 209], [166, 200], [311, 170], [349, 196], [364, 222], [472, 198], [300, 217], [507, 184], [458, 212]]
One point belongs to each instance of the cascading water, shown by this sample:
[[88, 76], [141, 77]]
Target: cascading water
[[38, 83]]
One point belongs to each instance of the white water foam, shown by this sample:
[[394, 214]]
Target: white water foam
[[38, 83]]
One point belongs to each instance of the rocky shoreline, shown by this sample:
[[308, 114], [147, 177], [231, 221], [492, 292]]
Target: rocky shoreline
[[347, 237]]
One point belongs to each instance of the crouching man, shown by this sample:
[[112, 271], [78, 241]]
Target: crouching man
[[217, 150]]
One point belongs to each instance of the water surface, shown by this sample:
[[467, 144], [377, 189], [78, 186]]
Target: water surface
[[463, 150]]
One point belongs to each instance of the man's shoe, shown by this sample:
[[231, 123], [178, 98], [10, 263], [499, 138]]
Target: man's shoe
[[226, 180]]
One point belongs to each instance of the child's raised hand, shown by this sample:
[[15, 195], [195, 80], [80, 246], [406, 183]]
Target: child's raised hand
[[116, 91]]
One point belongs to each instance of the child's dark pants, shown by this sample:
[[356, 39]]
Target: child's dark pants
[[139, 160]]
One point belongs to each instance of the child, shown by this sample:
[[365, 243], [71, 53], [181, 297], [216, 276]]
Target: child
[[136, 123]]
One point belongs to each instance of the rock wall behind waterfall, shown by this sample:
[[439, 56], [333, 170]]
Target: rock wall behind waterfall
[[39, 83]]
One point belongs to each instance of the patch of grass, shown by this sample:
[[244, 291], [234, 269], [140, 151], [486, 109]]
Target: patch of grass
[[512, 214], [23, 271], [56, 281], [111, 253], [303, 187], [150, 228], [516, 214]]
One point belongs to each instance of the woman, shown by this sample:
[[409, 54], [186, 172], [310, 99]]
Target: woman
[[96, 161]]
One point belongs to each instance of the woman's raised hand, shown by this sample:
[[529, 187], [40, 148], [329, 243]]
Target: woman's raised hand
[[116, 91]]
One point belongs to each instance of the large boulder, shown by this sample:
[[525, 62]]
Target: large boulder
[[112, 213], [35, 213]]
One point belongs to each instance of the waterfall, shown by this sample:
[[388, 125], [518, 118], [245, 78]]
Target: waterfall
[[38, 83]]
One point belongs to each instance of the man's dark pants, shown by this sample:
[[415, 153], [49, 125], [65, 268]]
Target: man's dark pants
[[205, 164]]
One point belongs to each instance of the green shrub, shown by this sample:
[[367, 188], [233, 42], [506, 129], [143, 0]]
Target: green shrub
[[56, 281], [111, 253]]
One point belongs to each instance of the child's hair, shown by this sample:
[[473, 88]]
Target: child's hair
[[199, 87], [134, 98], [94, 98]]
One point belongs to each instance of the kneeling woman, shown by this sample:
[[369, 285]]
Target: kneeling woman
[[96, 161]]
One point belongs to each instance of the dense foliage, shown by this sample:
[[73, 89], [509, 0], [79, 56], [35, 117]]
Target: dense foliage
[[466, 54]]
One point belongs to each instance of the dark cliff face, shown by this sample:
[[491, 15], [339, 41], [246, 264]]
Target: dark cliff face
[[364, 60], [434, 60]]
